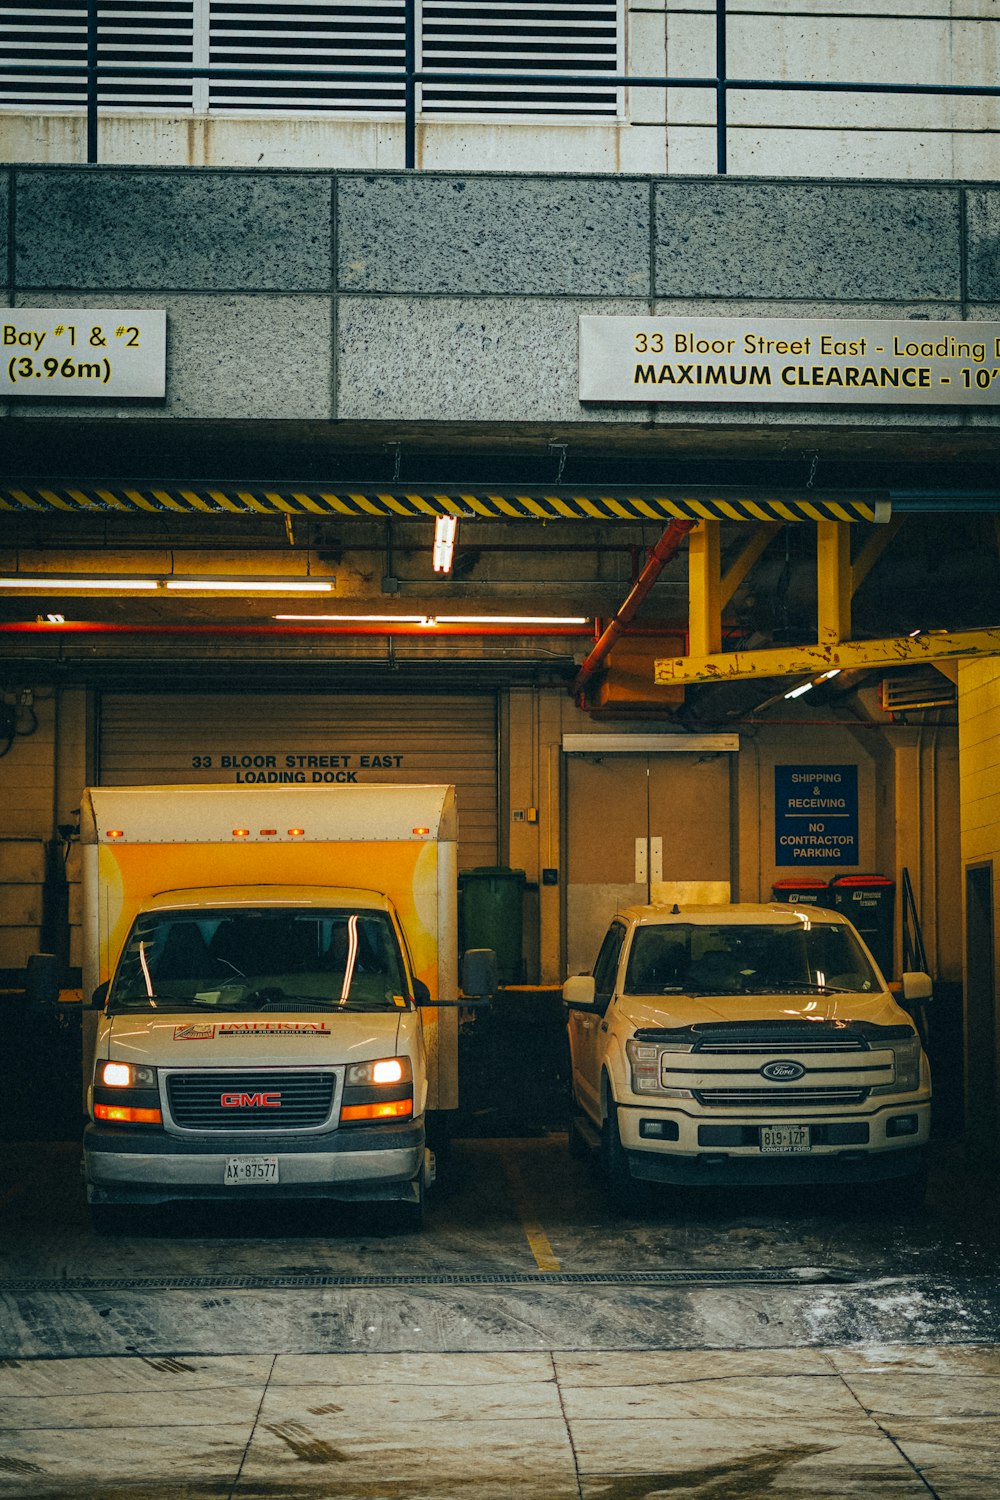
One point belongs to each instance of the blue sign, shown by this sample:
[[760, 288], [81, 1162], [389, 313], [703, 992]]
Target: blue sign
[[816, 815]]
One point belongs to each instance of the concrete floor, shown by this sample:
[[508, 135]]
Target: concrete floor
[[725, 1347]]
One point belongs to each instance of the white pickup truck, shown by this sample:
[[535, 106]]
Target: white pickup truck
[[746, 1044]]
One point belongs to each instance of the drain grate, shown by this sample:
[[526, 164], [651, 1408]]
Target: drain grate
[[745, 1276]]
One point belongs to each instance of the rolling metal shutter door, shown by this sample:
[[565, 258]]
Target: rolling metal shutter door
[[151, 739]]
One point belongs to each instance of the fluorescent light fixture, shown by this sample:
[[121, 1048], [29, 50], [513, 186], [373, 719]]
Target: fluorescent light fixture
[[513, 619], [834, 672], [803, 687], [79, 582], [249, 585], [361, 619], [445, 529], [432, 620]]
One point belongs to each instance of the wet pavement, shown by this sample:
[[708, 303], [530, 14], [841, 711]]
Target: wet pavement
[[724, 1345]]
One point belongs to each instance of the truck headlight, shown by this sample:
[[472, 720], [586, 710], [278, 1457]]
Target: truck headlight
[[124, 1075], [381, 1090], [906, 1055], [646, 1060], [126, 1094]]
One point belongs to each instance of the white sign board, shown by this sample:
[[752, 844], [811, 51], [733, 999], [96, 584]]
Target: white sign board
[[83, 351], [789, 360]]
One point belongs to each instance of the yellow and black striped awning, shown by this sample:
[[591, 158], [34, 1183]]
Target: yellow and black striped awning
[[427, 502]]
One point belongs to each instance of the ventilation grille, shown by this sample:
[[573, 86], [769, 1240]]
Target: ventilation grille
[[304, 1100], [519, 40], [916, 689], [50, 34], [777, 1098]]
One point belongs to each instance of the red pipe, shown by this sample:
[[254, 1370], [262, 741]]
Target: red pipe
[[367, 627], [667, 547]]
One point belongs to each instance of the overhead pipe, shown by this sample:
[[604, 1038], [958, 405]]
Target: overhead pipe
[[667, 547], [361, 627]]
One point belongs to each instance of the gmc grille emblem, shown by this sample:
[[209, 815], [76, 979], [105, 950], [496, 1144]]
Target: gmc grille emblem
[[782, 1072], [251, 1101]]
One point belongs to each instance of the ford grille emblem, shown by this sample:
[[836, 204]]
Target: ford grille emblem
[[782, 1072]]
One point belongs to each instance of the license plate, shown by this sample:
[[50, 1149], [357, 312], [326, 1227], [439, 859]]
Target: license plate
[[251, 1169], [785, 1138]]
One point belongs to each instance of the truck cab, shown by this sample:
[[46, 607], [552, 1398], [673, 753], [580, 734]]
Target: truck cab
[[746, 1044], [266, 1038]]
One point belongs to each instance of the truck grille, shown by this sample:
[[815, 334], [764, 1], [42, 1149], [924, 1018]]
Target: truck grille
[[781, 1038], [251, 1099], [777, 1098]]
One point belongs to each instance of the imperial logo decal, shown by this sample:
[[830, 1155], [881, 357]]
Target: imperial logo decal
[[198, 1032], [782, 1072], [274, 1028], [251, 1101]]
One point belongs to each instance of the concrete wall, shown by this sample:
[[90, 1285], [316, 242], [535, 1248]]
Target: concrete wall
[[444, 298], [771, 134]]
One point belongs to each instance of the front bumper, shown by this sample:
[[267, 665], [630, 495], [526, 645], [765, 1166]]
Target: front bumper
[[710, 1149], [380, 1164]]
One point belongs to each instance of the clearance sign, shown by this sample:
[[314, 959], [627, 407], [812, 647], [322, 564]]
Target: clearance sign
[[789, 360]]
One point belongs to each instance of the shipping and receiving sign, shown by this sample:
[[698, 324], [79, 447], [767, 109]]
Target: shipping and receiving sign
[[83, 351], [816, 815], [781, 360]]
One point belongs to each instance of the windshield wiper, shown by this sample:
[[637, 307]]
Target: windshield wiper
[[798, 987]]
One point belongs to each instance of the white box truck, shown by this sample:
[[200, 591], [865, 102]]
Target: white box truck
[[273, 983]]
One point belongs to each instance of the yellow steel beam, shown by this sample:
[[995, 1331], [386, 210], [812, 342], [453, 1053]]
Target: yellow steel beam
[[704, 589], [812, 661], [833, 582], [760, 539]]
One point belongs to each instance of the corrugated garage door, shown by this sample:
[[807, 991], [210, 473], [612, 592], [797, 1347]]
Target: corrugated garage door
[[158, 738]]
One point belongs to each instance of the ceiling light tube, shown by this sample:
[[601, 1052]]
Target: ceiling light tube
[[249, 585], [359, 619], [513, 619], [445, 529], [797, 692], [79, 582]]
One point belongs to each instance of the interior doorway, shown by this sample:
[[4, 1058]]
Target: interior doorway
[[642, 827]]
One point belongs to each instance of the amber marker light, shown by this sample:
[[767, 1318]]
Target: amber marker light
[[268, 833], [241, 833], [392, 1109], [114, 833], [127, 1114], [296, 833], [421, 832]]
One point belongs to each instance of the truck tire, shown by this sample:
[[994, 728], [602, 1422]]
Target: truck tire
[[109, 1218], [409, 1216], [578, 1148], [625, 1195]]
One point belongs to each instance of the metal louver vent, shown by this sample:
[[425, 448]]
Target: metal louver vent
[[49, 34], [521, 39], [282, 35], [572, 36]]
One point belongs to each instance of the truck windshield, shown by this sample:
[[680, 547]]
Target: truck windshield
[[750, 959], [261, 959]]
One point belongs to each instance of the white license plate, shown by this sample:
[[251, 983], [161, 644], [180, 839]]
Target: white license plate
[[251, 1169], [785, 1138]]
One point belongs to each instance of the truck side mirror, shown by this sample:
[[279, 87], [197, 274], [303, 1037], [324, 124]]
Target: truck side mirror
[[579, 992], [421, 994], [918, 987], [42, 979], [99, 998], [479, 972]]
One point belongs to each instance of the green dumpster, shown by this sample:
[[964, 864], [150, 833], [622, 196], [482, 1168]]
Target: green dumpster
[[490, 916]]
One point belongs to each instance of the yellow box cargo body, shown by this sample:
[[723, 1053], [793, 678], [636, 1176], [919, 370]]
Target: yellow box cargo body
[[266, 956]]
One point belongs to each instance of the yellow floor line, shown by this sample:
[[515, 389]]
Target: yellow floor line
[[538, 1241]]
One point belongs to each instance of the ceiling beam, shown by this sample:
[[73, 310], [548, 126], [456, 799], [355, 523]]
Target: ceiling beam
[[811, 661]]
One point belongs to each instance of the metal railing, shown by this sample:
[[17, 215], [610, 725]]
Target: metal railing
[[721, 83]]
